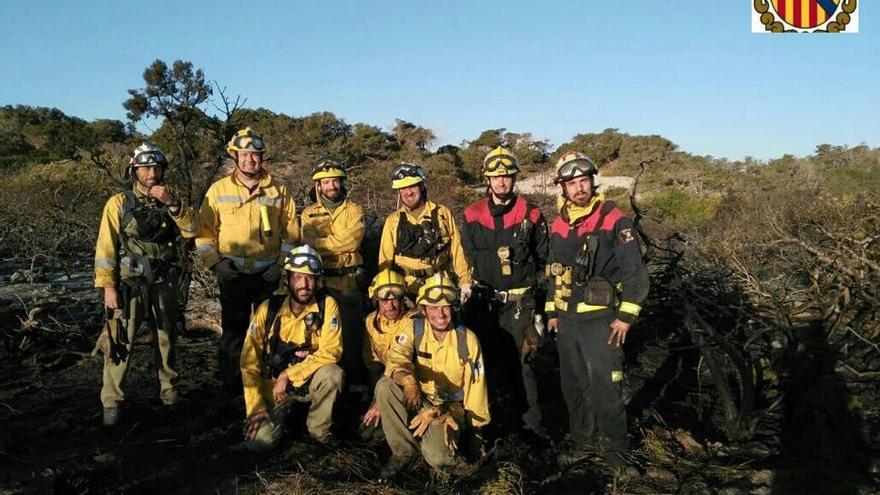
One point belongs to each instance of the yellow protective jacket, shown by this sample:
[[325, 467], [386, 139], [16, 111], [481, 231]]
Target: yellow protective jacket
[[326, 349], [452, 259], [337, 236], [441, 373], [380, 335], [231, 226], [110, 236]]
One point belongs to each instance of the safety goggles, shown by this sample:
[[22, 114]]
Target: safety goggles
[[147, 158], [303, 260], [498, 161], [575, 168], [390, 291], [405, 170], [249, 143], [440, 293], [326, 167]]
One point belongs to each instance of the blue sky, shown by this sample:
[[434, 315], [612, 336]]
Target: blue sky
[[690, 71]]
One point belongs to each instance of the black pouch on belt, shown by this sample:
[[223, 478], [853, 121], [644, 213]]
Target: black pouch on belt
[[599, 292]]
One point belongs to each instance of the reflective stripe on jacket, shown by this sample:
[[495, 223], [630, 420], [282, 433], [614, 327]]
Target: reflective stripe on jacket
[[231, 225], [110, 237], [618, 260]]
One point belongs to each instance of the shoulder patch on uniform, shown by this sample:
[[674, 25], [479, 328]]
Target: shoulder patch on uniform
[[625, 236], [401, 339], [334, 322], [252, 329]]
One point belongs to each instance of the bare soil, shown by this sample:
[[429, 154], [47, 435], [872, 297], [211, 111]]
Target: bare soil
[[52, 440]]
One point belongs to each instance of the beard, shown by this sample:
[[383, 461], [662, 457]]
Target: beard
[[303, 296]]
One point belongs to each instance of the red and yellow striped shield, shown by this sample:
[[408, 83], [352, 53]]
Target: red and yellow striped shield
[[806, 13]]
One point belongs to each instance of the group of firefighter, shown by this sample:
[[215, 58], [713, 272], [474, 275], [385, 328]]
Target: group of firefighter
[[457, 314]]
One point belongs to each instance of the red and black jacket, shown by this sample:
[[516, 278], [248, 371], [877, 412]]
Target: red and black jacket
[[617, 259], [518, 225]]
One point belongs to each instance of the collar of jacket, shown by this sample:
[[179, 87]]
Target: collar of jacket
[[497, 210], [311, 307], [331, 205], [426, 210], [265, 180], [571, 212]]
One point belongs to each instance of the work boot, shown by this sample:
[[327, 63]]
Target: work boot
[[168, 397], [111, 416], [393, 466]]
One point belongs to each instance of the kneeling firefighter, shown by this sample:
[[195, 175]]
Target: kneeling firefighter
[[289, 355]]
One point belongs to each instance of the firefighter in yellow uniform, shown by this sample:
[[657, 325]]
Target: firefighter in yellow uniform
[[137, 265], [434, 388], [248, 224], [420, 238], [334, 226], [290, 354], [382, 325]]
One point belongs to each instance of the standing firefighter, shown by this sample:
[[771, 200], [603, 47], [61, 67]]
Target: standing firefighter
[[382, 326], [598, 284], [290, 354], [506, 240], [334, 225], [420, 238], [248, 223], [137, 265], [434, 388]]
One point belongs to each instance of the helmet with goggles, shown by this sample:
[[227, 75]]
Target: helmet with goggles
[[303, 259], [246, 140], [500, 162], [328, 168], [387, 284], [438, 290], [574, 164], [406, 175]]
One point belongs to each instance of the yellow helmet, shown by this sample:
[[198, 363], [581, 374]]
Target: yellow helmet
[[303, 259], [328, 168], [245, 140], [387, 284], [500, 162], [407, 174], [574, 164], [438, 290]]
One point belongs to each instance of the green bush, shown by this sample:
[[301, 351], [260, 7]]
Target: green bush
[[677, 205]]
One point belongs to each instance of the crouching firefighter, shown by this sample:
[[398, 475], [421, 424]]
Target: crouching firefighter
[[506, 241], [420, 238], [391, 317], [433, 396], [137, 265], [290, 354], [598, 282]]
